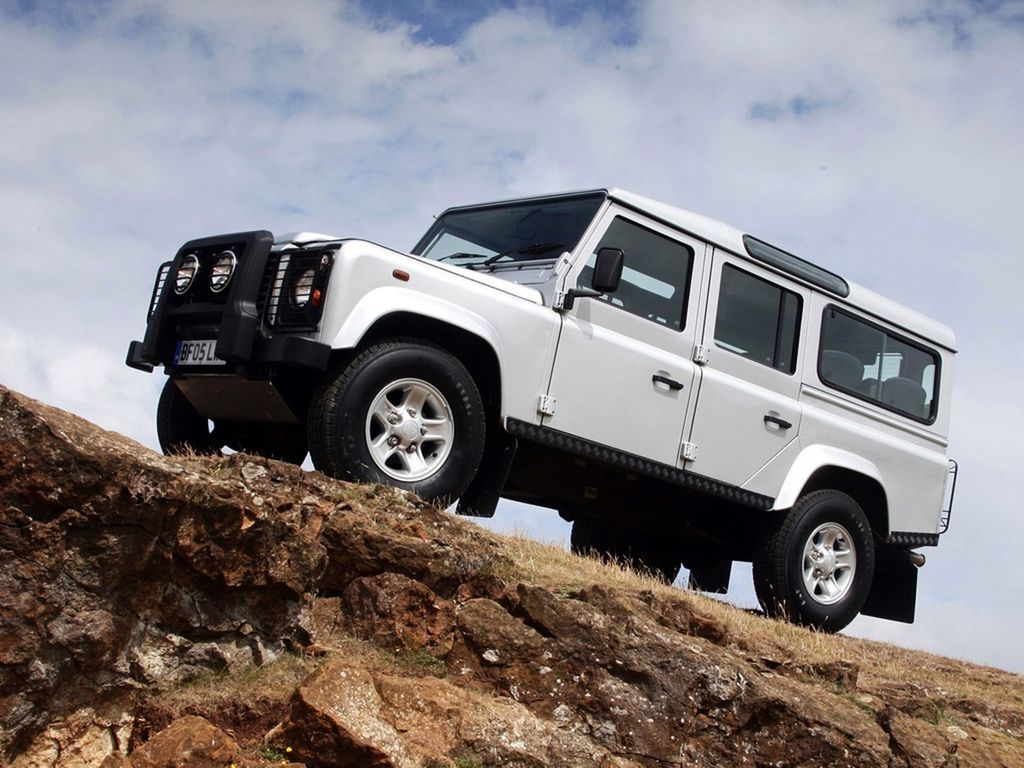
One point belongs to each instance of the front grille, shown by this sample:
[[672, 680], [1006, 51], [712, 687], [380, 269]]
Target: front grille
[[277, 304], [270, 288], [158, 287]]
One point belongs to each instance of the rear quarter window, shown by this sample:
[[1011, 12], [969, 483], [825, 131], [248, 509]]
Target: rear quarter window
[[875, 364]]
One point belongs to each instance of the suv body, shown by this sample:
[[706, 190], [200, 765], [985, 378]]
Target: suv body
[[682, 392]]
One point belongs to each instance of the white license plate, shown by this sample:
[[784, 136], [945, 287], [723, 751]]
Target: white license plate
[[198, 352]]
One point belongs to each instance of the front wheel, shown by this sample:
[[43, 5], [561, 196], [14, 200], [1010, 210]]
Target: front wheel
[[181, 428], [403, 413], [816, 567]]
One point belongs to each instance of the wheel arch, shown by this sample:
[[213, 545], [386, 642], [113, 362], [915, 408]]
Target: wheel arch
[[821, 467], [473, 351]]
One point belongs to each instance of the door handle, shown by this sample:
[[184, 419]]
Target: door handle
[[780, 423], [670, 383]]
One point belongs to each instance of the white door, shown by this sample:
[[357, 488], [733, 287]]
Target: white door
[[623, 375], [747, 409]]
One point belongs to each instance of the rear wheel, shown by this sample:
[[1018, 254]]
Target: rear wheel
[[404, 413], [816, 567], [628, 548]]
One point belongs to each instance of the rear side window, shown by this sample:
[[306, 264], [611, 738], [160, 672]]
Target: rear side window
[[871, 363], [757, 319]]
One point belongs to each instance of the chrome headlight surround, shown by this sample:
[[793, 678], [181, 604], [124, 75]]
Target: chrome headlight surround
[[186, 274], [222, 270]]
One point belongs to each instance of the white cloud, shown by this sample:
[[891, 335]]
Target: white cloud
[[887, 149], [81, 377]]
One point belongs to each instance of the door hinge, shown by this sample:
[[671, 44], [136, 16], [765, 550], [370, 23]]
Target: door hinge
[[701, 354], [688, 452], [546, 405]]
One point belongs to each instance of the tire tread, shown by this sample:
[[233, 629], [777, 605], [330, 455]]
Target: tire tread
[[324, 433], [771, 566]]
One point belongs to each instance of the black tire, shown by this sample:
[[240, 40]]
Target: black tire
[[827, 593], [344, 434], [618, 545], [179, 426]]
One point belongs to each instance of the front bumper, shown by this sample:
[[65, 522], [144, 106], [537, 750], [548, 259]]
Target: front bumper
[[291, 351], [246, 322]]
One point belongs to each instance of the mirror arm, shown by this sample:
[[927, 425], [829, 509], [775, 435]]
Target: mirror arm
[[569, 299]]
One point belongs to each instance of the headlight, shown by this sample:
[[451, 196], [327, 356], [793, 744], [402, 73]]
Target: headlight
[[222, 270], [186, 274], [303, 288]]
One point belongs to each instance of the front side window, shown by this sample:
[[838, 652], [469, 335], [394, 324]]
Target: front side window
[[874, 364], [491, 236], [655, 274], [758, 319]]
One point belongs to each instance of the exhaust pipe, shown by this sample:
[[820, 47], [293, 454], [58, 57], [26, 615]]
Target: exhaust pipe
[[915, 557]]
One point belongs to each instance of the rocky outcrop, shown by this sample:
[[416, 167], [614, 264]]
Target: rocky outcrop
[[124, 574]]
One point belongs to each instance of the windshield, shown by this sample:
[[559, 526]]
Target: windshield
[[487, 237]]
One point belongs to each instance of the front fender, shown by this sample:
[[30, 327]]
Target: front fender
[[815, 457], [387, 300]]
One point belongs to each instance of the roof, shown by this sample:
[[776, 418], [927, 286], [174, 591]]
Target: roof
[[731, 239]]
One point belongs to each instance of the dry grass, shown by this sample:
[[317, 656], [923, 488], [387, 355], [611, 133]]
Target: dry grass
[[272, 682]]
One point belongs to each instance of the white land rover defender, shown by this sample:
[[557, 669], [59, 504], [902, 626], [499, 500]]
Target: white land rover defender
[[683, 393]]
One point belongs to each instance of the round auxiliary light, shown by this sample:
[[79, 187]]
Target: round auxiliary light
[[186, 274], [222, 271], [303, 288]]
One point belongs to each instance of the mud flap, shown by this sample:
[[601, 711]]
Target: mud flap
[[481, 498], [893, 592], [710, 576]]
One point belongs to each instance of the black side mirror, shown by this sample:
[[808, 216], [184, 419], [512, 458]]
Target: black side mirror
[[608, 270], [606, 278]]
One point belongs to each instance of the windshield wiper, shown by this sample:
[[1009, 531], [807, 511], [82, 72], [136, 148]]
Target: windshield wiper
[[488, 261], [532, 248], [464, 255]]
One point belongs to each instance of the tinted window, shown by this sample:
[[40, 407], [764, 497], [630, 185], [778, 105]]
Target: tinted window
[[509, 233], [757, 319], [655, 275], [867, 361]]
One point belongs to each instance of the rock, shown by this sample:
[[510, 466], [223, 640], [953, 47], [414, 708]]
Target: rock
[[336, 719], [191, 741], [345, 716], [396, 612], [917, 743], [842, 674], [609, 665], [124, 573], [82, 739], [122, 568]]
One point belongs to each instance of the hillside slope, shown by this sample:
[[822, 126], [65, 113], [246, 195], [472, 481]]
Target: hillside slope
[[239, 611]]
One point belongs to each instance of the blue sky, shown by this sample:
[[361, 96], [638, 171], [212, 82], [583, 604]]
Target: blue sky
[[881, 139], [445, 21]]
